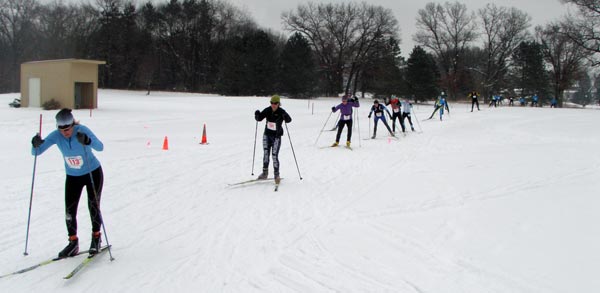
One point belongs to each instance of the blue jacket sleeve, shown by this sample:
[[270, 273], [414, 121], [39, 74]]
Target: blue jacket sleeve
[[96, 143], [48, 142]]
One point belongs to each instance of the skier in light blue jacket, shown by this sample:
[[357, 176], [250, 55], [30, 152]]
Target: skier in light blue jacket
[[82, 168], [440, 104]]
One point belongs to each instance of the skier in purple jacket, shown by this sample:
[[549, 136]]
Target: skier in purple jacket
[[345, 118]]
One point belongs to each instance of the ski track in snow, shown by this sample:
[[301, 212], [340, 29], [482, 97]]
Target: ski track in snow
[[474, 203]]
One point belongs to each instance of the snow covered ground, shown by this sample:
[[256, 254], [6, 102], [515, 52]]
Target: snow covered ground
[[501, 200]]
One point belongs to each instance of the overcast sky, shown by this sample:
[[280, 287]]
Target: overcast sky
[[267, 13]]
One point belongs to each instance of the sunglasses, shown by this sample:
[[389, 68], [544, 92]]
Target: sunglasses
[[65, 127], [274, 103]]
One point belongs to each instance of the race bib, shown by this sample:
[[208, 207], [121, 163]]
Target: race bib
[[396, 110], [74, 162], [346, 117], [378, 114], [272, 126], [474, 97]]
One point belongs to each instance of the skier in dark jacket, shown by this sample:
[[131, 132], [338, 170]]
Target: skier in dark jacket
[[272, 136], [345, 118], [378, 110], [473, 95], [76, 142]]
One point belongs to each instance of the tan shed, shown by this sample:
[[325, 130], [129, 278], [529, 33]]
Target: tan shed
[[71, 82]]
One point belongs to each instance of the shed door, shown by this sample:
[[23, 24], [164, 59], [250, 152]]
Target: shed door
[[34, 92]]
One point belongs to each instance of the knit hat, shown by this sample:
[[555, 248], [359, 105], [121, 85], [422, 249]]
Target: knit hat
[[275, 99], [344, 98], [64, 117]]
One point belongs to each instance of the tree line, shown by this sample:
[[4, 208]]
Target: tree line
[[330, 48]]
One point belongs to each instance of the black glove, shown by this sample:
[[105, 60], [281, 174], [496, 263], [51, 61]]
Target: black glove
[[83, 139], [355, 99], [332, 109], [256, 114], [369, 115], [37, 141]]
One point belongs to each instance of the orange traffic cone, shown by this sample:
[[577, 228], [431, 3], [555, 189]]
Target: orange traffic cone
[[204, 135], [166, 144]]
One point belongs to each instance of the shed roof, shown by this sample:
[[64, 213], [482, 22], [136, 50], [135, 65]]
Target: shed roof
[[71, 60]]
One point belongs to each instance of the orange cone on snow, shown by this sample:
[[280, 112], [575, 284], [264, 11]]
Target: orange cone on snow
[[166, 144], [204, 135]]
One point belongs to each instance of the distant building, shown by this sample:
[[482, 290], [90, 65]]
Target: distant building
[[71, 82]]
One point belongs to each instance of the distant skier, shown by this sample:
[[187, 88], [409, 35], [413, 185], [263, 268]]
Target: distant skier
[[76, 142], [511, 101], [345, 118], [534, 100], [440, 104], [494, 101], [378, 110], [275, 116], [406, 110], [396, 112], [473, 95], [553, 103], [522, 101]]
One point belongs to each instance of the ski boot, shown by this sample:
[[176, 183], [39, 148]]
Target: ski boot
[[335, 144], [71, 249], [263, 175], [277, 179], [95, 245]]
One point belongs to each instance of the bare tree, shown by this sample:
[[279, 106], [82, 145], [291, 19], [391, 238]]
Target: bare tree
[[18, 31], [447, 30], [59, 23], [584, 28], [342, 36], [503, 30], [564, 56]]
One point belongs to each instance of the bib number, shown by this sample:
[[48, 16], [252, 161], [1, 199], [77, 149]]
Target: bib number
[[75, 162], [396, 110], [378, 114], [346, 117], [272, 126]]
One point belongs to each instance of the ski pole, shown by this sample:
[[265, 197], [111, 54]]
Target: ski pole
[[369, 127], [320, 132], [358, 127], [98, 204], [416, 118], [254, 152], [337, 122], [290, 138], [31, 194]]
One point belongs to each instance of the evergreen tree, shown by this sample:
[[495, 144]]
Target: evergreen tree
[[596, 89], [297, 69], [118, 41], [583, 96], [261, 57], [422, 75], [529, 73], [382, 72], [249, 65]]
